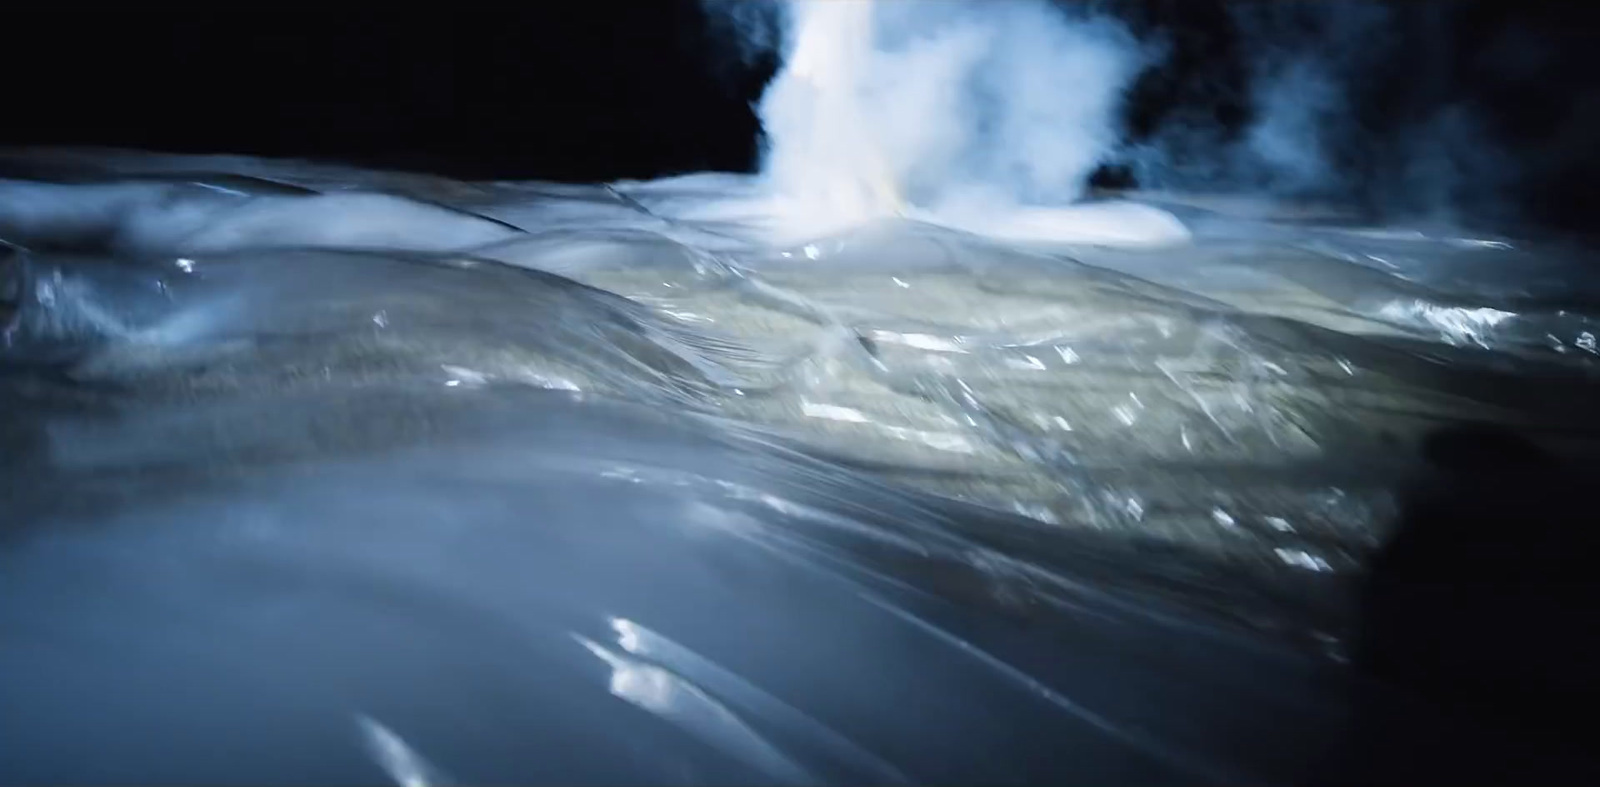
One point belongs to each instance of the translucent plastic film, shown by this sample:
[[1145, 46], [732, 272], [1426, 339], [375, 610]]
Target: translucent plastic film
[[1085, 387], [617, 427]]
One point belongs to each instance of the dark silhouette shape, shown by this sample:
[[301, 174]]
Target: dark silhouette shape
[[1482, 605]]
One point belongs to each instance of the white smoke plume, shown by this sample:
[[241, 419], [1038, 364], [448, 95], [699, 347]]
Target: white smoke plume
[[964, 111], [950, 106]]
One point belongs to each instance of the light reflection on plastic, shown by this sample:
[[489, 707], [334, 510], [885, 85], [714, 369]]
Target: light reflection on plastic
[[463, 376], [942, 441], [920, 341], [1479, 243], [1300, 558], [403, 764], [1125, 414], [834, 412], [687, 316], [661, 692], [1027, 363], [1456, 324]]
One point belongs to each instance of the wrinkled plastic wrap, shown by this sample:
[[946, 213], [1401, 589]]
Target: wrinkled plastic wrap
[[760, 487]]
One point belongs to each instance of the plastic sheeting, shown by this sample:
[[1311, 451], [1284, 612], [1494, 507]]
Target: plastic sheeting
[[612, 484]]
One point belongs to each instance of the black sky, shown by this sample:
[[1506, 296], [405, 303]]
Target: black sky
[[569, 91]]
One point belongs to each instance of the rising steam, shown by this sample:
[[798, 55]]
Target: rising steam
[[986, 115], [995, 113]]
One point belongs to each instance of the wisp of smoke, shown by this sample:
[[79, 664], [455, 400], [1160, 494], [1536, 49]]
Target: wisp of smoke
[[1298, 62], [1328, 118], [1302, 60], [984, 115], [992, 114]]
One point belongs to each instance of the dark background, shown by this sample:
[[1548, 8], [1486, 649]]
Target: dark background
[[566, 91], [605, 90]]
